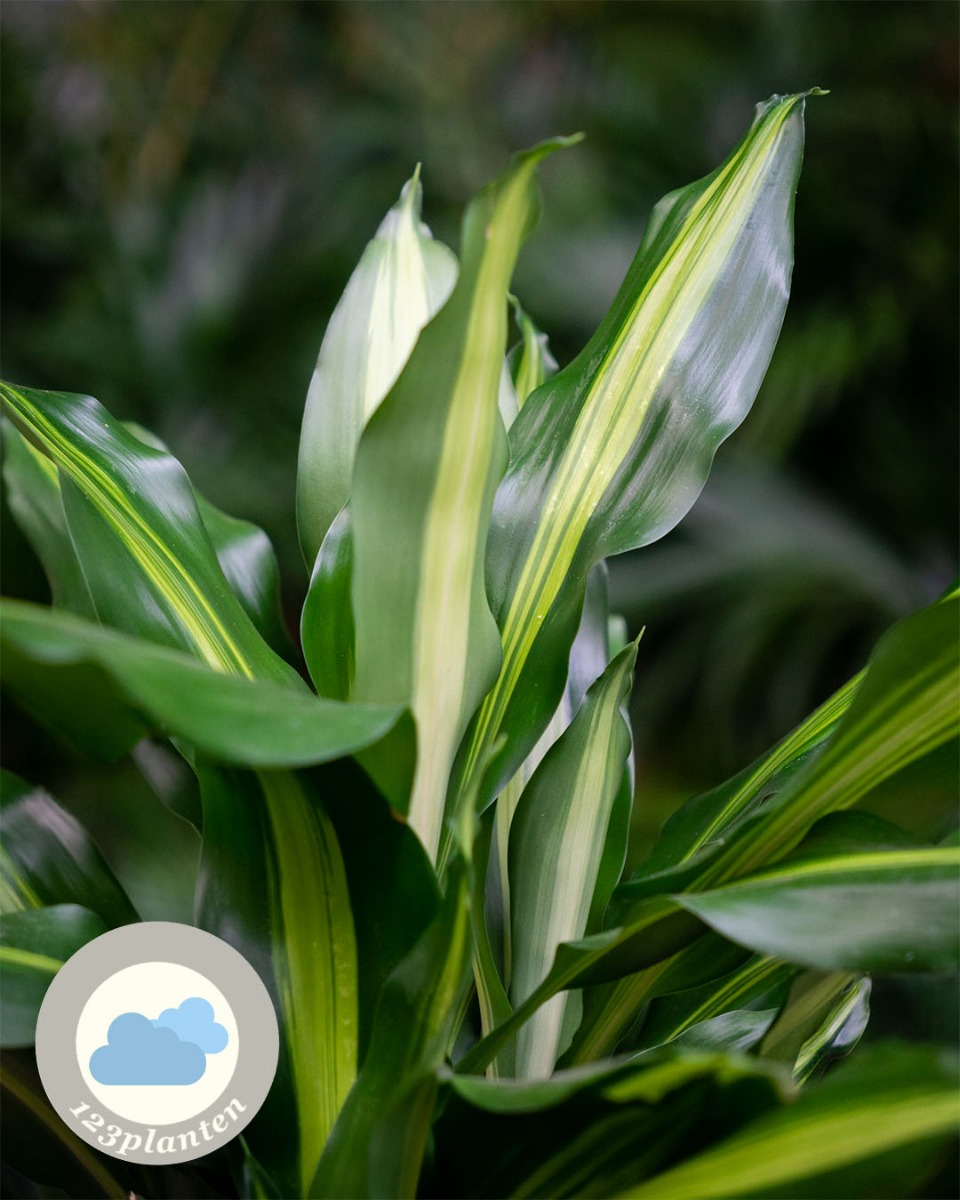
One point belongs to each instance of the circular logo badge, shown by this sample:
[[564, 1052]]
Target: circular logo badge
[[157, 1043]]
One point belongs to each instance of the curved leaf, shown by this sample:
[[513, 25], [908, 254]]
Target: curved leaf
[[881, 1103], [887, 911], [33, 491], [133, 520], [34, 945], [272, 883], [426, 469], [108, 690], [402, 279], [612, 452], [47, 857]]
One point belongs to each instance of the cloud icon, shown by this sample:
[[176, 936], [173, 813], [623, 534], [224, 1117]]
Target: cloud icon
[[192, 1021], [139, 1052]]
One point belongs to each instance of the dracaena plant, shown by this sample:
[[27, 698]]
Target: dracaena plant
[[421, 851]]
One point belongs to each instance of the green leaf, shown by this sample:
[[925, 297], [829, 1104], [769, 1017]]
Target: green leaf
[[707, 820], [402, 279], [905, 707], [273, 883], [33, 491], [326, 623], [377, 1145], [888, 911], [760, 985], [824, 1017], [133, 520], [34, 945], [38, 1142], [882, 1103], [530, 360], [426, 470], [612, 452], [556, 844], [587, 1132], [106, 690], [47, 857]]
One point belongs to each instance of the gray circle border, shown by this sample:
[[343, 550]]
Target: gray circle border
[[156, 941]]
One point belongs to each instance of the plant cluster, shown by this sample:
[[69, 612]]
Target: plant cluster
[[423, 853]]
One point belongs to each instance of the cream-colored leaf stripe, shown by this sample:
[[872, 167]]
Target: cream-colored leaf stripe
[[562, 903], [213, 642], [402, 279], [620, 397], [450, 568], [315, 960]]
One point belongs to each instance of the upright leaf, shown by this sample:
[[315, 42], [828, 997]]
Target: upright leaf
[[556, 845], [612, 452], [426, 469], [33, 491], [272, 882], [402, 279], [133, 520]]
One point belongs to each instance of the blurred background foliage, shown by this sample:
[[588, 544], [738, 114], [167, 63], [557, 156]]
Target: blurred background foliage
[[188, 185]]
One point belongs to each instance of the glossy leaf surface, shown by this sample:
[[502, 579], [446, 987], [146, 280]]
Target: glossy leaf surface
[[402, 279], [108, 690], [888, 911], [611, 452], [146, 557], [426, 469], [556, 843], [898, 1096], [34, 945]]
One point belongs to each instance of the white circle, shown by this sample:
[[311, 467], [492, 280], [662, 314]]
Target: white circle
[[149, 989]]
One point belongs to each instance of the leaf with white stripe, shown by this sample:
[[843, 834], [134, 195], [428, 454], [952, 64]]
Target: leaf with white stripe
[[612, 452], [402, 279], [145, 553], [426, 469], [556, 846]]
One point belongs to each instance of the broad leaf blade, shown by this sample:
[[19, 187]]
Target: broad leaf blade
[[426, 470], [888, 911], [272, 882], [34, 945], [48, 858], [377, 1146], [556, 844], [33, 491], [612, 452], [879, 1105], [403, 278], [107, 690], [146, 556]]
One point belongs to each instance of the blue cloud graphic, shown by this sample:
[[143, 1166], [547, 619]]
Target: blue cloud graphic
[[139, 1052], [192, 1021]]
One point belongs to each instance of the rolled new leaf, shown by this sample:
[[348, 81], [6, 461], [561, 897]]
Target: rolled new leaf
[[402, 279], [612, 452]]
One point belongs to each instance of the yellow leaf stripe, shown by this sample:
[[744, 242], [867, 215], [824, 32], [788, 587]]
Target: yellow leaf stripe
[[619, 399], [166, 573], [315, 960]]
